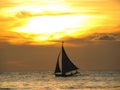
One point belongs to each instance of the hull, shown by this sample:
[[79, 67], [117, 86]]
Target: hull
[[64, 75], [58, 75]]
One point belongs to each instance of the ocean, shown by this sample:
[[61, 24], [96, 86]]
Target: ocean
[[45, 80]]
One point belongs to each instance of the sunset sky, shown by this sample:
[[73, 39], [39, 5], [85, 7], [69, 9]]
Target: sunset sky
[[31, 32]]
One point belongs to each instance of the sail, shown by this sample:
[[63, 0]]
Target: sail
[[57, 69], [67, 65]]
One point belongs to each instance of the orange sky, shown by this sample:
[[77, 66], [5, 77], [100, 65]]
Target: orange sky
[[37, 21], [31, 31]]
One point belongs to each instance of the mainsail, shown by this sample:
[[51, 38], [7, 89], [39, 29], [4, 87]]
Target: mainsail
[[67, 65]]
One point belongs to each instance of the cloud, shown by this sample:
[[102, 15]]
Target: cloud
[[11, 13], [93, 37], [25, 14], [106, 37]]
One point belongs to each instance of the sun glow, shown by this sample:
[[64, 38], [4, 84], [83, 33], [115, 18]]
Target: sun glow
[[54, 27], [44, 21], [52, 22]]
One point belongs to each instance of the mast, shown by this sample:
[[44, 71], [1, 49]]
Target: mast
[[62, 43]]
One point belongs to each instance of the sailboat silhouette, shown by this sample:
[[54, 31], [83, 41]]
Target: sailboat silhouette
[[67, 67]]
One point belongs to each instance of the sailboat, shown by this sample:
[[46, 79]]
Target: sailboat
[[67, 67]]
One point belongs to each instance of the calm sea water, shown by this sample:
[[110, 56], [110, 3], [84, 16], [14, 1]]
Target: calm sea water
[[45, 80]]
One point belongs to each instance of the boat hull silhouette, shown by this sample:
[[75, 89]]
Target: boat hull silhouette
[[66, 75]]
